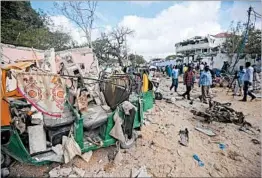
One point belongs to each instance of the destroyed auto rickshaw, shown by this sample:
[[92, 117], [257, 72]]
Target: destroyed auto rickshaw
[[90, 131]]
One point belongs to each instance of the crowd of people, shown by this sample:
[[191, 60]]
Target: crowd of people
[[244, 79]]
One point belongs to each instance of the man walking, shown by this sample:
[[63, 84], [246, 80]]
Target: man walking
[[201, 67], [205, 82], [188, 81], [239, 81], [175, 73], [248, 79]]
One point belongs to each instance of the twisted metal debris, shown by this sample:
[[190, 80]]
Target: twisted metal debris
[[221, 112]]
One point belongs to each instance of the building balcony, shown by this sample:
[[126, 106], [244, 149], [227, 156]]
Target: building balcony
[[192, 47]]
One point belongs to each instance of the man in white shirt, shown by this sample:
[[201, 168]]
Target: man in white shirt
[[201, 67], [248, 79]]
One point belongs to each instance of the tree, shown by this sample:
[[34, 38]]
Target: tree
[[253, 44], [170, 57], [101, 49], [112, 45], [116, 41], [17, 18], [233, 41], [81, 13], [22, 25], [136, 59]]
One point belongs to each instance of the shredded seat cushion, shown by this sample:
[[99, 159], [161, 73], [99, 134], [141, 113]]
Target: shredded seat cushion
[[95, 117], [67, 118]]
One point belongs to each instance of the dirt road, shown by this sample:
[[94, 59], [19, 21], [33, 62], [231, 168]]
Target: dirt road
[[163, 156]]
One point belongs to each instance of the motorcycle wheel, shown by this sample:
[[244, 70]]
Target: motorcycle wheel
[[5, 160], [129, 142], [158, 96]]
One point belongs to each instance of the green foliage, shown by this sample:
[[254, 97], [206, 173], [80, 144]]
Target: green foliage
[[101, 49], [21, 25], [170, 57], [111, 46], [252, 45], [136, 59]]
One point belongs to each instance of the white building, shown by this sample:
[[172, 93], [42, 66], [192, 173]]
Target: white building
[[208, 48], [199, 44]]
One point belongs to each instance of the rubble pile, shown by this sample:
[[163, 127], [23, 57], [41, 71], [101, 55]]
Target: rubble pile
[[220, 112]]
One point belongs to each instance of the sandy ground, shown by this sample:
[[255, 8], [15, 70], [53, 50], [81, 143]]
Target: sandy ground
[[163, 156]]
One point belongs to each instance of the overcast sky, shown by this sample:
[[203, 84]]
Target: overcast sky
[[158, 25]]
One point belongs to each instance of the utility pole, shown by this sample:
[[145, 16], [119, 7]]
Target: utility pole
[[242, 45], [126, 50]]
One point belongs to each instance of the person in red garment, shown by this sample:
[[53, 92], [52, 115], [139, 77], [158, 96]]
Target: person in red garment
[[188, 81]]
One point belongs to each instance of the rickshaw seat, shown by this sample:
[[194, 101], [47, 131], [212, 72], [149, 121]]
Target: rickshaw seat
[[57, 127], [95, 117], [52, 122]]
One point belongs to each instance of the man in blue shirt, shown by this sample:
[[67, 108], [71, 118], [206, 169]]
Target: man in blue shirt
[[239, 81], [175, 73], [205, 82], [248, 79]]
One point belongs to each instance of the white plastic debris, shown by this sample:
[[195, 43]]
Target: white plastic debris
[[142, 172], [79, 172], [37, 139], [87, 156], [58, 149], [71, 148], [118, 158], [67, 172]]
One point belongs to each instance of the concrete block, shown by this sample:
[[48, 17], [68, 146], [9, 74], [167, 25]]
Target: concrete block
[[37, 138]]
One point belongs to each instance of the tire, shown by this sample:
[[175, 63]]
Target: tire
[[5, 160], [129, 142], [2, 159], [158, 96]]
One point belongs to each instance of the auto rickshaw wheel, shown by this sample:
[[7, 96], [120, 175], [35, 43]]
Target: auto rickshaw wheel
[[129, 142], [2, 159], [5, 160], [158, 96]]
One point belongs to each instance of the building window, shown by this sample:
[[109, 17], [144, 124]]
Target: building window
[[204, 50]]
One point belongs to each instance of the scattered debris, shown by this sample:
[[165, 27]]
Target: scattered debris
[[71, 148], [222, 146], [118, 158], [37, 138], [60, 172], [171, 100], [247, 127], [142, 172], [67, 172], [184, 137], [220, 112], [205, 131], [58, 149], [233, 155], [200, 163], [87, 156], [79, 172], [255, 141]]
